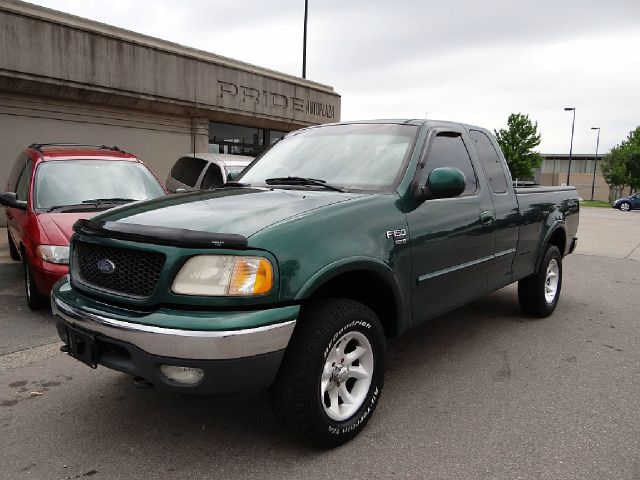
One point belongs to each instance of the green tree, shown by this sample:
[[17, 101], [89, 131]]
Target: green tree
[[614, 168], [621, 166], [517, 142]]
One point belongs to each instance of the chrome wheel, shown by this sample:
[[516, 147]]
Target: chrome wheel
[[346, 376], [625, 207], [551, 281]]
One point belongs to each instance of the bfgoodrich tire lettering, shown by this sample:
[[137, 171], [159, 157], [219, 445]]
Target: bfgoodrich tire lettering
[[329, 334], [539, 293]]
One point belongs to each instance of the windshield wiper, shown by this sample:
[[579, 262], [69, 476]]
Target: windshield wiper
[[83, 205], [98, 201], [303, 181]]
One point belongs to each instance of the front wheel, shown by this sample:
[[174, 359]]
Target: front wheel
[[332, 373], [13, 251], [539, 293], [35, 300], [625, 206]]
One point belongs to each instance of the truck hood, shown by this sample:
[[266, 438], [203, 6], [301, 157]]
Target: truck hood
[[241, 211]]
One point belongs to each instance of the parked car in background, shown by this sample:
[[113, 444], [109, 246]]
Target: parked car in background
[[202, 171], [53, 185], [627, 203]]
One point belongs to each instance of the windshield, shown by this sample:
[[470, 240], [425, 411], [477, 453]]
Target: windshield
[[356, 156], [71, 182]]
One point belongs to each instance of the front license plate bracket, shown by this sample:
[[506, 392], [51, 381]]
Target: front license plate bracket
[[82, 346]]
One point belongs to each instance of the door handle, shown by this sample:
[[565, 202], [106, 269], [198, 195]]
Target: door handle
[[487, 218]]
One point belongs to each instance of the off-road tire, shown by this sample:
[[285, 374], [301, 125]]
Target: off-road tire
[[295, 394], [13, 251], [531, 290]]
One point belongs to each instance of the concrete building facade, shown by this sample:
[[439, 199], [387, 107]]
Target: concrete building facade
[[69, 79], [554, 168]]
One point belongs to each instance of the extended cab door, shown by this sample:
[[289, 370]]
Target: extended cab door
[[505, 205], [451, 240]]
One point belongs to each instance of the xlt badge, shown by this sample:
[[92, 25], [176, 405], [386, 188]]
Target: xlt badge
[[399, 236]]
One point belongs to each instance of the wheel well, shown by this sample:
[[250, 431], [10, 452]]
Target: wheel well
[[365, 287], [559, 239]]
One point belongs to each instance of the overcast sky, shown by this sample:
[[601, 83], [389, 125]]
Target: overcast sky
[[465, 60]]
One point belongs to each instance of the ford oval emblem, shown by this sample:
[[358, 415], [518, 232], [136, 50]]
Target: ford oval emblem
[[106, 266]]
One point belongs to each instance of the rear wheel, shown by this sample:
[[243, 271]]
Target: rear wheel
[[332, 373], [13, 251], [539, 293], [35, 300], [625, 206]]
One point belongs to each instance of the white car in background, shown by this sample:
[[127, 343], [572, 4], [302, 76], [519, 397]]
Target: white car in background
[[202, 171]]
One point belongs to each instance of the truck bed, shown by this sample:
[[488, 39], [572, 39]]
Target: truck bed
[[541, 208]]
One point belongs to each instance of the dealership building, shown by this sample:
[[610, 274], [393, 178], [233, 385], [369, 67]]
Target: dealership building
[[555, 166], [68, 79]]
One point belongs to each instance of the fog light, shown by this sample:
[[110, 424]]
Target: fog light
[[186, 375]]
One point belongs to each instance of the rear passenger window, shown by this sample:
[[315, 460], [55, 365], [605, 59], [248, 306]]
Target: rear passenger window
[[490, 162], [187, 170], [448, 150], [213, 177]]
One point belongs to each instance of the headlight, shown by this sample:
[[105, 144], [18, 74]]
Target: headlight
[[221, 275], [54, 253]]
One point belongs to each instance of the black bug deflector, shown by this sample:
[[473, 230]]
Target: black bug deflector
[[178, 237]]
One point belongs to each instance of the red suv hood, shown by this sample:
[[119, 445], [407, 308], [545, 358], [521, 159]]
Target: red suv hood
[[58, 227]]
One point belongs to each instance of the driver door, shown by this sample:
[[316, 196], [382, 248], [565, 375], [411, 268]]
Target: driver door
[[451, 240]]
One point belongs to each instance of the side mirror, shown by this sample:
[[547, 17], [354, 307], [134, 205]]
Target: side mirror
[[445, 183], [9, 199]]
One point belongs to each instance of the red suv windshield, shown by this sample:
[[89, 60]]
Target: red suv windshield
[[72, 182]]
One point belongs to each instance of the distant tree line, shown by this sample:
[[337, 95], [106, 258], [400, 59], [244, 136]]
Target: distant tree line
[[621, 166]]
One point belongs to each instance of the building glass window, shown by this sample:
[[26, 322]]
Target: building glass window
[[241, 140], [275, 135], [235, 139]]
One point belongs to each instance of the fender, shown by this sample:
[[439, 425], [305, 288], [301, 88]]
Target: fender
[[351, 264], [558, 224]]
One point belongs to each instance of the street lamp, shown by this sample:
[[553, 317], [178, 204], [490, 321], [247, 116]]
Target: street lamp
[[304, 41], [573, 124], [595, 163]]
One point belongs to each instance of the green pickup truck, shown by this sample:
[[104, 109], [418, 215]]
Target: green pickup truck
[[338, 237]]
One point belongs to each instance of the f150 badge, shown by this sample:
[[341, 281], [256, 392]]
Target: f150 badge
[[399, 236]]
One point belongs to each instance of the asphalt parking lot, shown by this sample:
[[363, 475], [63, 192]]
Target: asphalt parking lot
[[481, 392]]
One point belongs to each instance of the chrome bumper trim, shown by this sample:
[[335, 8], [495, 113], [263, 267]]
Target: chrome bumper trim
[[189, 344]]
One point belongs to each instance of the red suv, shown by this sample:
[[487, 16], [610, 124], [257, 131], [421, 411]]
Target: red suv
[[53, 185]]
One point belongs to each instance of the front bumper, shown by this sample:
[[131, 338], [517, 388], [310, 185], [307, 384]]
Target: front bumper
[[46, 275], [232, 360]]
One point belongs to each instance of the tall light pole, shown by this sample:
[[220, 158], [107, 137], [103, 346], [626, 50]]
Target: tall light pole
[[573, 124], [595, 162], [304, 41]]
